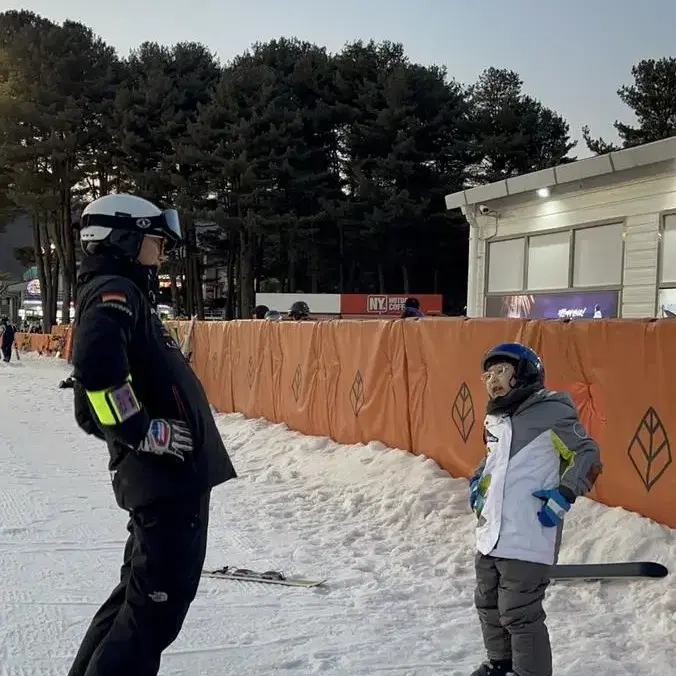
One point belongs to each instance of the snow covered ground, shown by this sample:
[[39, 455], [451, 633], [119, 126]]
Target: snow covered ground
[[391, 531]]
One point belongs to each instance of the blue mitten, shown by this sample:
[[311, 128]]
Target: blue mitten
[[474, 490], [554, 509]]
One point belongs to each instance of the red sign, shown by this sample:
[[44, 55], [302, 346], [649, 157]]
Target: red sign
[[387, 304]]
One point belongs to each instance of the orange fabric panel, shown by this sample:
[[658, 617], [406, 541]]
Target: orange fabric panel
[[42, 343], [619, 373], [416, 385], [253, 393], [248, 352], [364, 368], [447, 399], [211, 362], [296, 375]]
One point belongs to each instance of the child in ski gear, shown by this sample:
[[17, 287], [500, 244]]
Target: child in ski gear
[[6, 339], [134, 389], [539, 460]]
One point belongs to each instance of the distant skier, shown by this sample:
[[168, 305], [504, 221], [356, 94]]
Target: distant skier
[[299, 311], [135, 389], [412, 309], [7, 334], [260, 310], [539, 460]]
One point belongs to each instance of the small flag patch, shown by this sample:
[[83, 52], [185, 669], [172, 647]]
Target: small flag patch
[[113, 297]]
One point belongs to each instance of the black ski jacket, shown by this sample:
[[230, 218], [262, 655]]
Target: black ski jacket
[[8, 336], [119, 338]]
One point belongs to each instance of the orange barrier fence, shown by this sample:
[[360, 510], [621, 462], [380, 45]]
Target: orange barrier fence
[[48, 344], [416, 386]]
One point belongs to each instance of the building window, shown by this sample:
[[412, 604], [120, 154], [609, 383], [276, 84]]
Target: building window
[[506, 265], [548, 261], [597, 259], [668, 253]]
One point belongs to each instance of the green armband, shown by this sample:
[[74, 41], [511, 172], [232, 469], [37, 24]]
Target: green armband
[[114, 405]]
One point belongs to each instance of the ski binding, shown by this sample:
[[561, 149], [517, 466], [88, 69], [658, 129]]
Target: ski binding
[[266, 577]]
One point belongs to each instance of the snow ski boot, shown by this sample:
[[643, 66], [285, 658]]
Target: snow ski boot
[[495, 668]]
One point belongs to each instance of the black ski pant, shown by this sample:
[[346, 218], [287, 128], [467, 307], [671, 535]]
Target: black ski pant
[[163, 561], [6, 352]]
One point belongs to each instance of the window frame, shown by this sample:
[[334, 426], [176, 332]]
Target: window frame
[[487, 270], [660, 251], [571, 260]]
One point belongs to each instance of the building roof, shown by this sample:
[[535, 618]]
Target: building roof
[[589, 167]]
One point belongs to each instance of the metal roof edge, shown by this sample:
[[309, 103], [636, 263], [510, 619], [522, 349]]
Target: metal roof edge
[[588, 167]]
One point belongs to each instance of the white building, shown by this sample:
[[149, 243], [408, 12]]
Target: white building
[[598, 235]]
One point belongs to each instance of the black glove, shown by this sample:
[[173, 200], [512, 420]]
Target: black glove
[[168, 437]]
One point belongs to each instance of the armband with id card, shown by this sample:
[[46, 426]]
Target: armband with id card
[[114, 405]]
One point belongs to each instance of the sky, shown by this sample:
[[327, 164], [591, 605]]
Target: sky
[[572, 55]]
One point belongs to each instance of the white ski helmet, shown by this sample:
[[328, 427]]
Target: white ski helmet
[[118, 223]]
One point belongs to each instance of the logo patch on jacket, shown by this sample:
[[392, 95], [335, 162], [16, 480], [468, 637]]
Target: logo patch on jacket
[[113, 297], [160, 431]]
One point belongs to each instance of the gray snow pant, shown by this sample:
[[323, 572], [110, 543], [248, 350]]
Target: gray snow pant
[[508, 598]]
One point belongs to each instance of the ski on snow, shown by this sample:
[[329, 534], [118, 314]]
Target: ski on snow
[[609, 571], [267, 577], [574, 571]]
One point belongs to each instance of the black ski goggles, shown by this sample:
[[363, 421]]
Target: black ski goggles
[[167, 225]]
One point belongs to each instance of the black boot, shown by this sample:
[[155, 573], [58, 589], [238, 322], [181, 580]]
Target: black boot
[[495, 668]]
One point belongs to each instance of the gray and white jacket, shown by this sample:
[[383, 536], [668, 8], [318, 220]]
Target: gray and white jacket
[[542, 445]]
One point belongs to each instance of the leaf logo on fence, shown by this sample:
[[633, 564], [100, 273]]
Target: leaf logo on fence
[[463, 412], [357, 393], [297, 383], [251, 371], [650, 449]]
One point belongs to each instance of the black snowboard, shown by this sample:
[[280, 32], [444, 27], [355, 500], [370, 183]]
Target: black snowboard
[[608, 571]]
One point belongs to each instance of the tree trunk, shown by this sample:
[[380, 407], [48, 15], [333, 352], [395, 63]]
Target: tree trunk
[[247, 257], [40, 262], [43, 258], [382, 288], [174, 291], [404, 274], [194, 296], [291, 271], [197, 286], [189, 276], [260, 258], [55, 268], [341, 258], [314, 269], [230, 262], [234, 286], [71, 276], [351, 286]]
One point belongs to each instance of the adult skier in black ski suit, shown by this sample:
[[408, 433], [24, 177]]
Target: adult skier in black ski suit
[[134, 389], [6, 339]]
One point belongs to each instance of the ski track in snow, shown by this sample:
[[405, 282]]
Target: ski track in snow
[[390, 530]]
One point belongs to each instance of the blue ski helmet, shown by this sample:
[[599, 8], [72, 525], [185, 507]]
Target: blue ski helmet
[[529, 369]]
